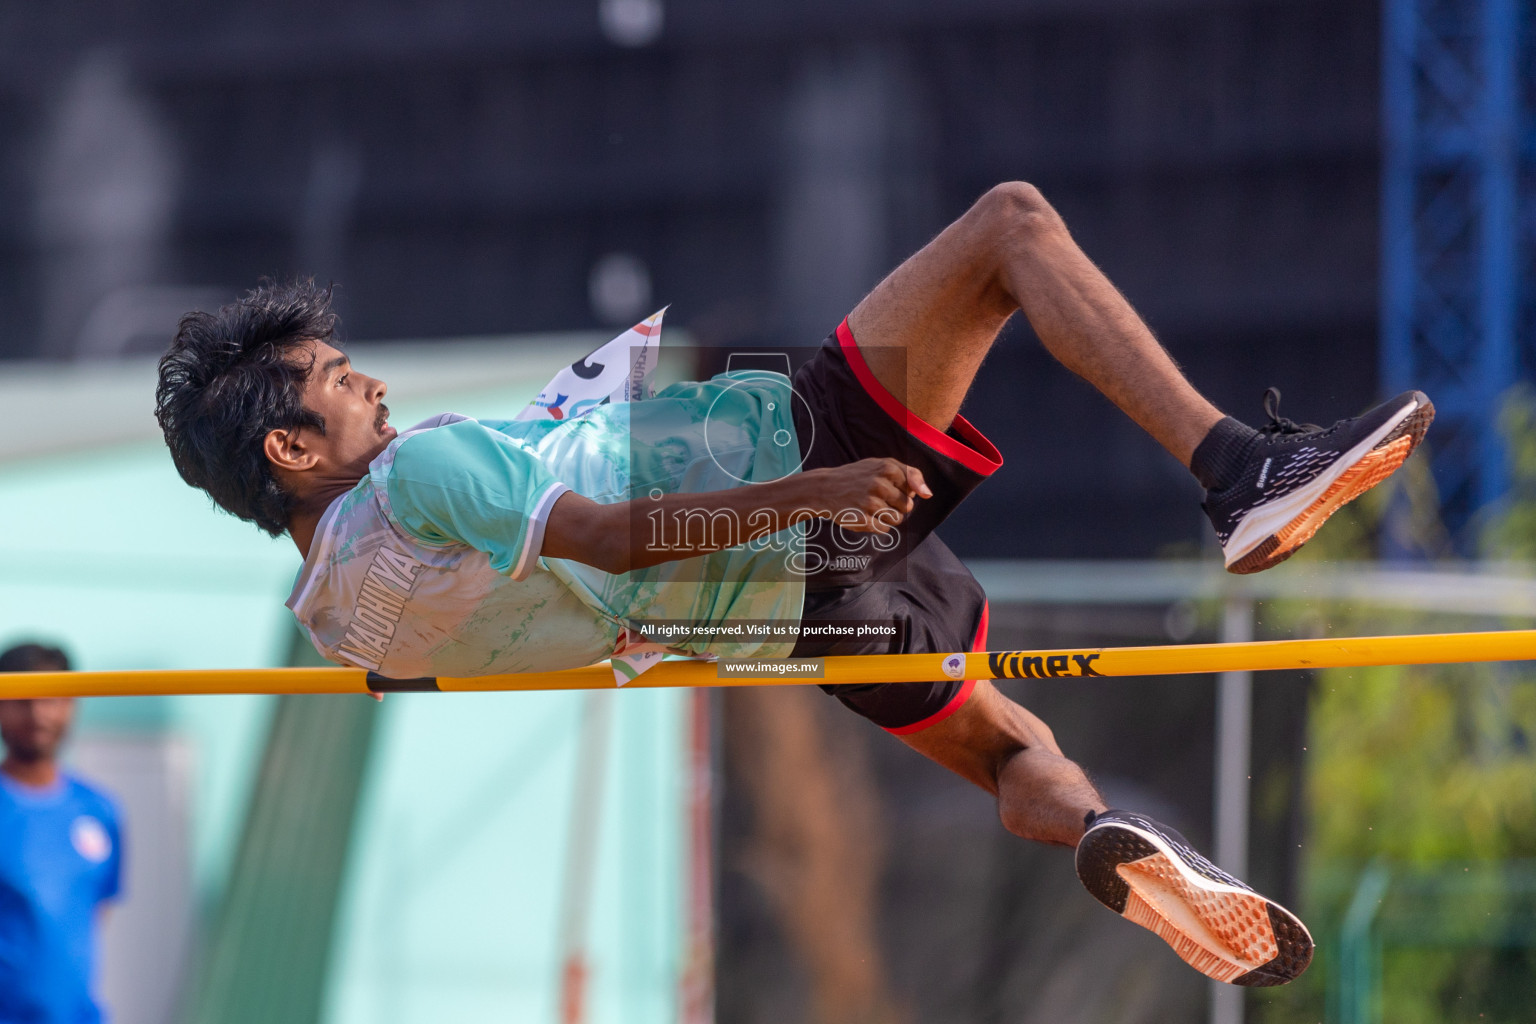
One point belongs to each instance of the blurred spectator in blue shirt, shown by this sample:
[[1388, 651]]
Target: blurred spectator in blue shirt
[[60, 859]]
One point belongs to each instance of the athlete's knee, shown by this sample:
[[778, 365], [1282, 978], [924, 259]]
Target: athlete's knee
[[1015, 212], [1038, 793], [1019, 817]]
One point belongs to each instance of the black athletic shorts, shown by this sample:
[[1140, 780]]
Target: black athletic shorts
[[914, 581]]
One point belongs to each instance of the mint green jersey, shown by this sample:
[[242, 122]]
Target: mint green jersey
[[431, 565]]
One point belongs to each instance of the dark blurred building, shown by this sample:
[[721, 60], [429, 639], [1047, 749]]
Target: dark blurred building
[[471, 167]]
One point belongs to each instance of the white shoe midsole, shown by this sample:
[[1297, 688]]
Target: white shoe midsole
[[1189, 874], [1270, 518]]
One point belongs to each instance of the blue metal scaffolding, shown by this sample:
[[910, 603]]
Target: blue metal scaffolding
[[1459, 230]]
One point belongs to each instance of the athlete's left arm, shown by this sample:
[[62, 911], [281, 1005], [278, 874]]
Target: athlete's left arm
[[871, 496]]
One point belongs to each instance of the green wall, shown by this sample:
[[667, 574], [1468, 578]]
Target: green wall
[[452, 904]]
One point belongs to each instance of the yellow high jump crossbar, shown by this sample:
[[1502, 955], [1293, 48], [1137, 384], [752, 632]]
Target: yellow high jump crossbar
[[1423, 649]]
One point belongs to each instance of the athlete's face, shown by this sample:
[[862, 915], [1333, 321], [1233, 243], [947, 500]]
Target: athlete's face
[[33, 729], [356, 419]]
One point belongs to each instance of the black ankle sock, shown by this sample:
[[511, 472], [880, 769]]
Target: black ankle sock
[[1219, 458]]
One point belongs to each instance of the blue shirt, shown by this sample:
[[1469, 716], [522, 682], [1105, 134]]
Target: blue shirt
[[60, 857]]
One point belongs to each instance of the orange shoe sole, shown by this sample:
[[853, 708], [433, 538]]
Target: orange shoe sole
[[1226, 932]]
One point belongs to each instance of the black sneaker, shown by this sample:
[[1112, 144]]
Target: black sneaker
[[1299, 474], [1147, 873]]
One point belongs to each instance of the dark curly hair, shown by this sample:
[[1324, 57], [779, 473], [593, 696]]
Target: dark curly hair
[[232, 376], [32, 657]]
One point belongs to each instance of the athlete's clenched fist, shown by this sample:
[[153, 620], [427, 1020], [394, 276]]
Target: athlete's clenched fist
[[868, 496]]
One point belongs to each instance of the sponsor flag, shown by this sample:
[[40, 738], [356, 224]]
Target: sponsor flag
[[620, 371]]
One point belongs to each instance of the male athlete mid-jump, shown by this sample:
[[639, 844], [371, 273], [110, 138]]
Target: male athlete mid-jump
[[464, 547]]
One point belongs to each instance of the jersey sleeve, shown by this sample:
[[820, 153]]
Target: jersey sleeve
[[462, 483], [112, 877]]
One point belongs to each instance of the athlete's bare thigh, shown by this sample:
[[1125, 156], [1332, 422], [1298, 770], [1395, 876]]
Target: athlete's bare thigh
[[925, 329]]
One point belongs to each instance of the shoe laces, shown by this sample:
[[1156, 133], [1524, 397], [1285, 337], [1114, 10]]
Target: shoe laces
[[1279, 424]]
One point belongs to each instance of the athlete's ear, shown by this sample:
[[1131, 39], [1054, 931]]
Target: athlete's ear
[[286, 449]]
